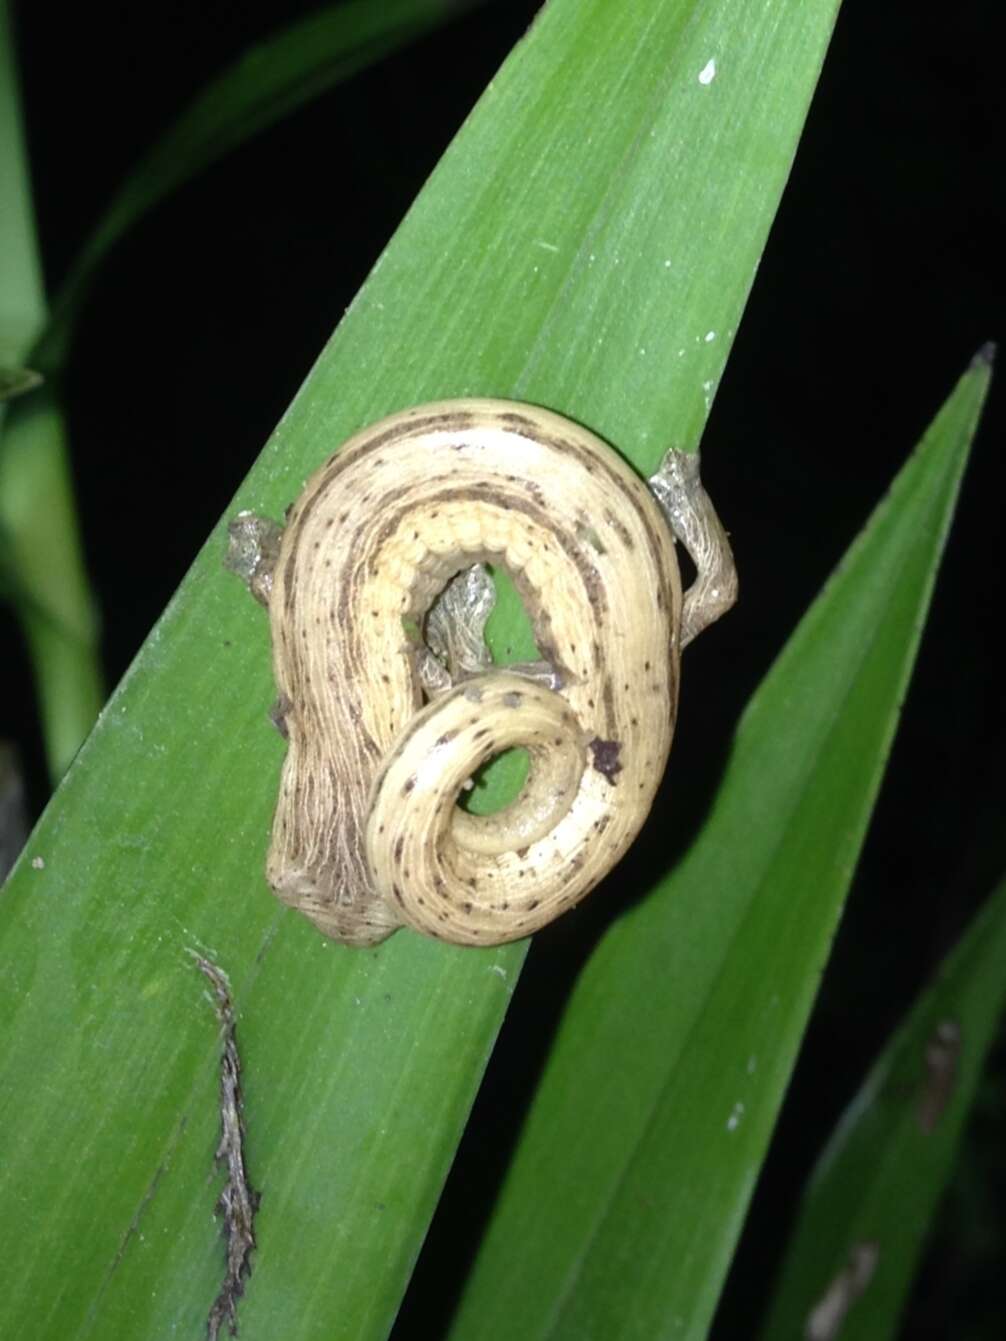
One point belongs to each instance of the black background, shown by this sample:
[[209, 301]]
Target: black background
[[883, 276]]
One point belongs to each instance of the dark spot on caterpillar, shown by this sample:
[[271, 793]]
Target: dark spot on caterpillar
[[606, 759], [446, 737], [513, 699], [522, 852], [533, 904], [474, 695], [399, 848], [466, 907], [398, 894], [408, 786]]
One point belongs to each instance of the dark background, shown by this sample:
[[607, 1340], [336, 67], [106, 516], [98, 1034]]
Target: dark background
[[883, 276]]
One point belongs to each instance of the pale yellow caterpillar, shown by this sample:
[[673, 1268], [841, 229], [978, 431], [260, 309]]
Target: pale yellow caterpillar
[[367, 834]]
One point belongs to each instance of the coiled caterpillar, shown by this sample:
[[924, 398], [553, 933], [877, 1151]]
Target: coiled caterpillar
[[367, 834]]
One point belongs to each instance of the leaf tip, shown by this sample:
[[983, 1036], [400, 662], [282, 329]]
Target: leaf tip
[[985, 357]]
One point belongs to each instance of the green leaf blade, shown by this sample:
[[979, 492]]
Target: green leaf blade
[[879, 1180], [615, 287], [659, 1097]]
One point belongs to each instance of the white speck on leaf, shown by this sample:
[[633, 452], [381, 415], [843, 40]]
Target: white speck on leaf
[[498, 968], [708, 72], [752, 1064], [734, 1120], [710, 337], [38, 863], [548, 246]]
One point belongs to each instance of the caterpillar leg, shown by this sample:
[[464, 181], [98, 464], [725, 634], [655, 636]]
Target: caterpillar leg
[[678, 489]]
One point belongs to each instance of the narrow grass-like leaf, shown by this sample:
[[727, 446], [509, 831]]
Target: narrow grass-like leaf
[[43, 573], [873, 1194], [587, 242], [22, 302], [41, 566], [272, 79], [658, 1099]]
